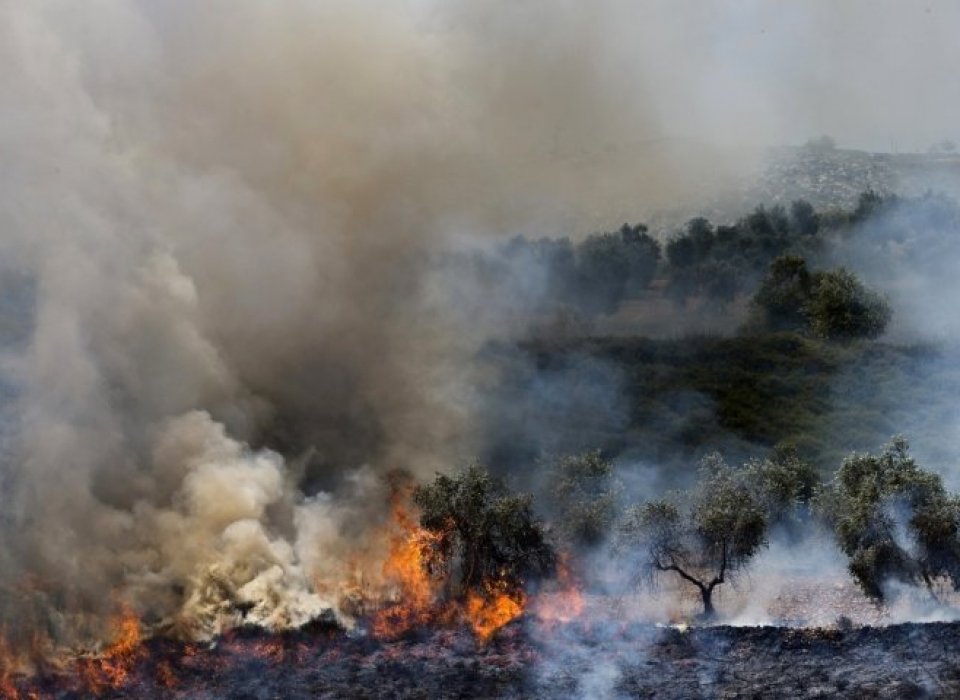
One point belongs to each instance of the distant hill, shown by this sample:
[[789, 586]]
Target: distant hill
[[836, 177], [826, 177]]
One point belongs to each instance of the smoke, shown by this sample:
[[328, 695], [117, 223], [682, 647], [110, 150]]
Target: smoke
[[223, 226], [224, 221]]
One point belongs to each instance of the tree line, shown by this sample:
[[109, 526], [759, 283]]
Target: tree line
[[893, 520], [717, 264]]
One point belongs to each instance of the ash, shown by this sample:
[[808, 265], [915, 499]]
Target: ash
[[577, 660]]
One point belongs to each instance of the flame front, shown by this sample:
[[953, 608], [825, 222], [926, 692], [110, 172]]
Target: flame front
[[8, 666], [488, 613], [414, 591], [112, 668], [416, 594]]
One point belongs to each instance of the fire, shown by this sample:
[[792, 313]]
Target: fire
[[111, 669], [404, 569], [566, 603], [166, 676], [416, 592], [488, 613], [17, 665], [8, 665]]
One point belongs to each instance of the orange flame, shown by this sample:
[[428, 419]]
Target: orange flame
[[564, 604], [111, 669], [404, 569], [488, 613], [166, 676], [8, 665], [416, 592]]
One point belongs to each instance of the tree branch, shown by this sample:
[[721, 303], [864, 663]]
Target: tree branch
[[680, 572]]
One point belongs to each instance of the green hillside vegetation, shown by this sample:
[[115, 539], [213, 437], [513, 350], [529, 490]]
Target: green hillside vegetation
[[691, 396], [809, 366]]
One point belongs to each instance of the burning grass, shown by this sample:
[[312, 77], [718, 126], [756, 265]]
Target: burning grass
[[424, 584], [411, 593], [634, 660], [111, 668]]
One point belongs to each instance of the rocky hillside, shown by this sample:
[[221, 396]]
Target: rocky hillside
[[836, 177]]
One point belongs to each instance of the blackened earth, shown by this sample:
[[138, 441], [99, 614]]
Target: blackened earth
[[572, 661]]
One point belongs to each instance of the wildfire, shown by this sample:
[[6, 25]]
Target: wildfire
[[488, 613], [414, 590], [111, 669], [564, 604], [8, 666], [18, 665]]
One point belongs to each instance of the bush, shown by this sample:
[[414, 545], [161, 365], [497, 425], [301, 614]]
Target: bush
[[780, 301], [833, 305]]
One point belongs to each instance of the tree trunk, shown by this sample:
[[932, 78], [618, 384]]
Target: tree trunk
[[706, 592]]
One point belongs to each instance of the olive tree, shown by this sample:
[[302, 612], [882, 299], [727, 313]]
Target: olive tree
[[780, 301], [833, 304], [704, 537], [894, 521], [612, 266], [482, 533], [841, 308], [583, 494], [785, 485]]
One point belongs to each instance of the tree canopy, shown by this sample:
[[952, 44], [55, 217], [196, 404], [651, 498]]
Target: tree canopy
[[894, 521], [584, 496], [784, 484], [705, 537], [841, 308], [484, 534], [833, 304]]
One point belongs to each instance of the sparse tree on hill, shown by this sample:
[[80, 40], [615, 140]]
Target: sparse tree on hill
[[705, 537], [944, 146], [821, 144], [894, 521]]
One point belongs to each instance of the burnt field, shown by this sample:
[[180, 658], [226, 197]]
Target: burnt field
[[527, 661]]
